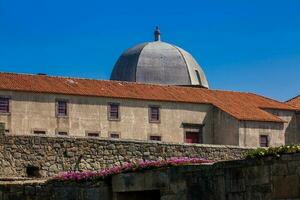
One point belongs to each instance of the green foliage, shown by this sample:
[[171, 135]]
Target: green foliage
[[273, 151]]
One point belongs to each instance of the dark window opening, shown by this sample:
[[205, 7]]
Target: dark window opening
[[63, 133], [39, 132], [155, 137], [33, 171], [263, 139], [93, 134], [4, 105], [154, 114], [113, 113], [114, 135], [62, 108]]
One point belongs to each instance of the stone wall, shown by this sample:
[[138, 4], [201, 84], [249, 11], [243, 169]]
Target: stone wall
[[255, 179], [39, 190], [51, 155]]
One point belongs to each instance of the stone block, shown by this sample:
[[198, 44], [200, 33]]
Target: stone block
[[279, 169], [286, 187], [261, 174]]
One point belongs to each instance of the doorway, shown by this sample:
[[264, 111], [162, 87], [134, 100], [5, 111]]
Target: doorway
[[193, 133]]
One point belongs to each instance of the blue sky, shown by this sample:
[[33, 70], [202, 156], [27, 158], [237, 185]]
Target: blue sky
[[242, 45]]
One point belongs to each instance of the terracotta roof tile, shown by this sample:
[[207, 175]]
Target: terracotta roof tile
[[295, 102], [243, 106]]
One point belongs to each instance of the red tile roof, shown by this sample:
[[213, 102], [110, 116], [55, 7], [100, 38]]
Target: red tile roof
[[242, 106], [295, 102]]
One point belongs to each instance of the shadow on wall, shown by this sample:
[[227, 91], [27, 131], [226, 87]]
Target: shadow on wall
[[292, 134], [139, 195]]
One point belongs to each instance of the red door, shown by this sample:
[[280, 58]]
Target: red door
[[192, 137]]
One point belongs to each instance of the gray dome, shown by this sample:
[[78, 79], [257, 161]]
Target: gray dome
[[159, 62]]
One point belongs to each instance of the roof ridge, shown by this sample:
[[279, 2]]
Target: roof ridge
[[292, 98], [92, 79], [268, 98]]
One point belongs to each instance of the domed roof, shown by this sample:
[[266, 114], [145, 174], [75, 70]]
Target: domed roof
[[159, 62]]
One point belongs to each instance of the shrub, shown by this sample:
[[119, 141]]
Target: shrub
[[273, 151]]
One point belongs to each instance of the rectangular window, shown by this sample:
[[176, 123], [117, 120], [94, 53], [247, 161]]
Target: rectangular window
[[93, 134], [37, 132], [62, 133], [113, 111], [62, 108], [155, 137], [115, 135], [4, 105], [263, 140], [154, 115]]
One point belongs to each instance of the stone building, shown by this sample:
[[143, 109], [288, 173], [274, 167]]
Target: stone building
[[165, 98], [40, 104]]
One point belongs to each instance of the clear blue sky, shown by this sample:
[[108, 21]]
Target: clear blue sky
[[242, 45]]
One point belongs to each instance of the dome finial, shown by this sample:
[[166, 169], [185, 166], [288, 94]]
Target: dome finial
[[157, 34]]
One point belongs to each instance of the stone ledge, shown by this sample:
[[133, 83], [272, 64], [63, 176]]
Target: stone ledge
[[83, 138]]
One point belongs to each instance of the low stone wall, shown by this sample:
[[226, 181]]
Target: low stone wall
[[39, 190], [256, 179], [47, 156]]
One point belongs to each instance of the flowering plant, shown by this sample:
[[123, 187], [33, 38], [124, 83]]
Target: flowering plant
[[127, 167]]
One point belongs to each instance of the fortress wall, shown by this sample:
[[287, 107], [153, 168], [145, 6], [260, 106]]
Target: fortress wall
[[51, 155], [267, 178]]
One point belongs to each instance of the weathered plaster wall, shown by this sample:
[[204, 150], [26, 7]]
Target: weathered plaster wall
[[55, 154], [32, 111], [261, 179], [291, 128], [225, 128], [298, 128], [35, 111], [250, 131]]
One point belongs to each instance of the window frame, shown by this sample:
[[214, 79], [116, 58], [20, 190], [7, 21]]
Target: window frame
[[62, 131], [116, 133], [8, 106], [150, 114], [153, 135], [87, 134], [35, 132], [109, 111], [57, 107], [267, 140], [200, 137]]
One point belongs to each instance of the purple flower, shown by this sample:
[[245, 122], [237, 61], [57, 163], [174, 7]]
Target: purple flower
[[126, 167]]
